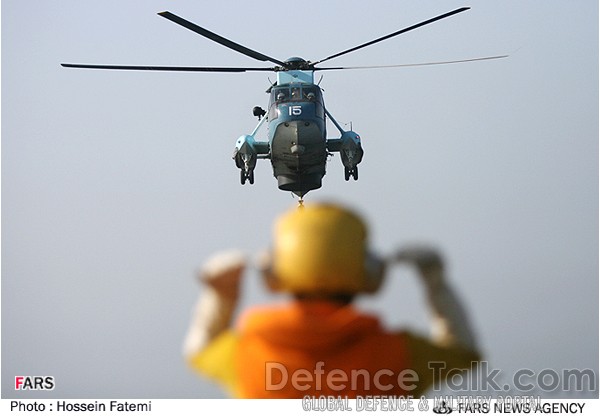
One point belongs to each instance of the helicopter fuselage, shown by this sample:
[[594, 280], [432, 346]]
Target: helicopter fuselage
[[297, 138]]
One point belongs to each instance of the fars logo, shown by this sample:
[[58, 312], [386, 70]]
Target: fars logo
[[34, 382]]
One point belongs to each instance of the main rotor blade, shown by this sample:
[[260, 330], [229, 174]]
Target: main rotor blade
[[383, 38], [411, 65], [161, 68], [218, 39]]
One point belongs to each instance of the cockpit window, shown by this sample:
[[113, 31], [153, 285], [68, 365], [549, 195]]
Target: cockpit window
[[312, 94], [280, 94], [295, 93]]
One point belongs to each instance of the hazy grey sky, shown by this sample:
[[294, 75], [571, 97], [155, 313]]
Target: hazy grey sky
[[117, 185]]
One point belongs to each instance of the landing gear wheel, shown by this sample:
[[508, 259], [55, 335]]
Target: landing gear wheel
[[249, 175], [351, 172]]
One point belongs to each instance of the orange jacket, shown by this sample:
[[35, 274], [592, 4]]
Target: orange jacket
[[322, 348]]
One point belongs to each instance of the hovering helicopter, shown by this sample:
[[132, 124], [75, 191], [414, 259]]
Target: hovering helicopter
[[297, 143]]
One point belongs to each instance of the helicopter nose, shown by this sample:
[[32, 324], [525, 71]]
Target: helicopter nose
[[297, 149]]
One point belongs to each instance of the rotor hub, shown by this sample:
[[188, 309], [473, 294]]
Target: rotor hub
[[297, 63]]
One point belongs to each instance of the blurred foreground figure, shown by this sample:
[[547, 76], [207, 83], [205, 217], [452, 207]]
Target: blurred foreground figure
[[319, 344]]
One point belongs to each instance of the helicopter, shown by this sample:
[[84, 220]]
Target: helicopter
[[297, 143]]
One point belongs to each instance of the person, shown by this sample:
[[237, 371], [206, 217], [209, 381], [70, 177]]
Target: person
[[319, 343]]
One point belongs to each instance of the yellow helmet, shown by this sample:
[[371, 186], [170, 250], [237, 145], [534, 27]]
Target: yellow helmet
[[321, 249]]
